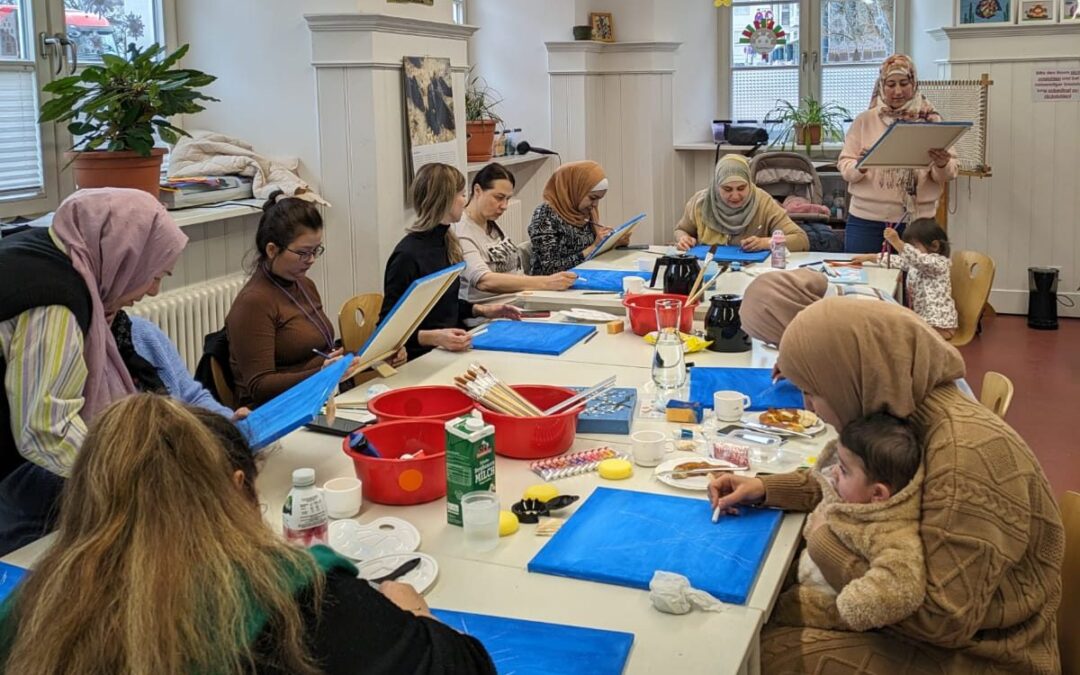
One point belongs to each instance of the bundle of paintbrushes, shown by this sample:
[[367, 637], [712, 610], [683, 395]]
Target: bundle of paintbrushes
[[480, 384], [573, 464]]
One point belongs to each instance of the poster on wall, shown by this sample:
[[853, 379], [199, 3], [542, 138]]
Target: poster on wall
[[1056, 86], [429, 111]]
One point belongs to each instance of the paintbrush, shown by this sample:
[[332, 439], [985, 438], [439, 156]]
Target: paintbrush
[[701, 274], [706, 286]]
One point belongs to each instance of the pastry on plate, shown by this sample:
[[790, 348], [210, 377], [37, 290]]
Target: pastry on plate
[[683, 470], [792, 419]]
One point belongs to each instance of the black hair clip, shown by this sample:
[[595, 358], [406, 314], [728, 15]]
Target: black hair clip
[[530, 510]]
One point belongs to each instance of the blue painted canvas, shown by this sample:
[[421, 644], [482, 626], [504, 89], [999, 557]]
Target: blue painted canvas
[[754, 382], [10, 576], [531, 337], [622, 537], [521, 647], [294, 407], [729, 254], [608, 242], [604, 280]]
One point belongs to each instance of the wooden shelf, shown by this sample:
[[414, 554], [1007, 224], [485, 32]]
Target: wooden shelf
[[507, 160]]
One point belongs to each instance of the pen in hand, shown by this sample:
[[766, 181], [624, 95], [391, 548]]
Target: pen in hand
[[322, 354]]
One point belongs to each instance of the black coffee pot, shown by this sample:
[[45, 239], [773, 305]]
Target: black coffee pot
[[723, 325], [682, 270]]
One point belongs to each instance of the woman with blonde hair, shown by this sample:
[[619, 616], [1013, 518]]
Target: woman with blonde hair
[[430, 245], [163, 565]]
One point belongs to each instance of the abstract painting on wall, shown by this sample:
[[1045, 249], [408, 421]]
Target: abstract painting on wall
[[429, 110]]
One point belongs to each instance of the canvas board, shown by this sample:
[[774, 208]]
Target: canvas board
[[907, 145]]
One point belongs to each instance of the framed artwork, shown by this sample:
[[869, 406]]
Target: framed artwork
[[1036, 11], [985, 12], [1070, 11], [603, 26]]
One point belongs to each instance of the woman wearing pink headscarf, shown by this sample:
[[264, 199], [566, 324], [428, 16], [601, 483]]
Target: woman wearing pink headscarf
[[59, 363], [883, 198]]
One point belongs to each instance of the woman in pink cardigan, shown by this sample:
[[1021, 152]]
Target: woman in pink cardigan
[[882, 198]]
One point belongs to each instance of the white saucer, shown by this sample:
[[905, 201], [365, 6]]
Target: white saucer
[[697, 483], [421, 578], [380, 537]]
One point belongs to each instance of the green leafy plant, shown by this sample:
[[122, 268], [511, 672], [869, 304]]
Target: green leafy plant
[[118, 105], [480, 100], [798, 120]]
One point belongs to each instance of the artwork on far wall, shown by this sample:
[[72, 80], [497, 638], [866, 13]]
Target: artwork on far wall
[[984, 12], [429, 111], [603, 26], [1070, 11], [1036, 11]]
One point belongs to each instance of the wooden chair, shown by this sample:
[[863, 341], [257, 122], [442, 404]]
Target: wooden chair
[[972, 275], [997, 393], [358, 318], [225, 393], [1069, 612]]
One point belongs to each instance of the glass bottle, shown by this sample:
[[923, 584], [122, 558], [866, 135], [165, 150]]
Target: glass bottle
[[668, 366]]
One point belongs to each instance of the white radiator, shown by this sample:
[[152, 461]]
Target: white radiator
[[187, 314], [513, 223]]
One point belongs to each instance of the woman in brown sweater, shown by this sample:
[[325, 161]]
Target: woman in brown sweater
[[990, 527], [277, 319]]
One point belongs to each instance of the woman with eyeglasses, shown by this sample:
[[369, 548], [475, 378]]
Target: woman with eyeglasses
[[278, 319]]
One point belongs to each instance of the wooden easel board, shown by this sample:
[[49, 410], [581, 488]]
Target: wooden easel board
[[907, 145], [406, 315]]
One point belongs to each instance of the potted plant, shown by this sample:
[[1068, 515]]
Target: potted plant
[[114, 109], [480, 118], [808, 123]]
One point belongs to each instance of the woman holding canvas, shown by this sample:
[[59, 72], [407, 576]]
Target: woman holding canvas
[[882, 198]]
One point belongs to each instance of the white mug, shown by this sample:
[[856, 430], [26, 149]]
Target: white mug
[[633, 285], [649, 447], [343, 497], [730, 405]]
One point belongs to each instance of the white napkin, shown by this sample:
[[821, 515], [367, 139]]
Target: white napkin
[[673, 594]]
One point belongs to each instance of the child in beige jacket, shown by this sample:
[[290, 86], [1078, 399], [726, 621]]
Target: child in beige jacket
[[871, 487]]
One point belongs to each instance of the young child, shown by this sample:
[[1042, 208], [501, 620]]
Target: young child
[[923, 252], [871, 497]]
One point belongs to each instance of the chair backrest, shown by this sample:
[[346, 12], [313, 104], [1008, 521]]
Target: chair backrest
[[972, 276], [224, 392], [358, 318], [525, 255], [1069, 612], [997, 393]]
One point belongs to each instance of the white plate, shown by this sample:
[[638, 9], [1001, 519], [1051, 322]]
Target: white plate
[[421, 578], [588, 315], [380, 537], [755, 418], [700, 482]]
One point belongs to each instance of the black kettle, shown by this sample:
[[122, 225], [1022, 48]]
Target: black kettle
[[723, 325], [682, 270]]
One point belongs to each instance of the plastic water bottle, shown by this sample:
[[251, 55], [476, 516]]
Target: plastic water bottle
[[304, 518], [779, 249]]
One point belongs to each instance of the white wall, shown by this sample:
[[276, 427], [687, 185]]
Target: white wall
[[923, 48]]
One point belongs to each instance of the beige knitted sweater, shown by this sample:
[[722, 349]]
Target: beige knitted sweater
[[993, 541]]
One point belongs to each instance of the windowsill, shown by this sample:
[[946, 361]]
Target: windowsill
[[506, 160], [826, 151], [195, 215]]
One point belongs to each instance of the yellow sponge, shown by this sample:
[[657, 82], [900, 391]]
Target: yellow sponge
[[615, 469], [541, 493], [508, 523]]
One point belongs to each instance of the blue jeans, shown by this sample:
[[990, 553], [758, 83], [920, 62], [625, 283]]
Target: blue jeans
[[864, 236], [29, 501]]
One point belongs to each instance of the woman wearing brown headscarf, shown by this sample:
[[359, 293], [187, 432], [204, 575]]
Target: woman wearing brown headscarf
[[990, 527], [565, 229]]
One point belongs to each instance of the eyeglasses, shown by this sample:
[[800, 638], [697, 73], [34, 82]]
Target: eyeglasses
[[309, 255]]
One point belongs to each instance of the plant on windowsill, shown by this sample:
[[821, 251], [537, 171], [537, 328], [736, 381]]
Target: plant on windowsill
[[808, 123], [480, 117], [115, 108]]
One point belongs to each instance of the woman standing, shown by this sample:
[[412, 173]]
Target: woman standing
[[565, 229], [735, 211], [493, 263], [59, 363], [989, 523], [429, 246], [883, 198], [277, 319]]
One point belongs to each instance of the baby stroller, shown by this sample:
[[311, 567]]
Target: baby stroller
[[793, 181]]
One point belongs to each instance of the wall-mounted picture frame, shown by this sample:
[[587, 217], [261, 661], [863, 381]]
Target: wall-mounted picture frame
[[603, 26], [1031, 12], [1070, 11], [984, 13]]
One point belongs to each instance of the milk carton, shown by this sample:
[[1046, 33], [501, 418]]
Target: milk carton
[[470, 461]]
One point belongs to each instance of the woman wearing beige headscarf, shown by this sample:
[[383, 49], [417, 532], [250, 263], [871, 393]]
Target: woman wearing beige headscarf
[[771, 301], [565, 229], [990, 527], [735, 211]]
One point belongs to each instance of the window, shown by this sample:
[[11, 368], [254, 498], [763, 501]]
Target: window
[[30, 154], [832, 51]]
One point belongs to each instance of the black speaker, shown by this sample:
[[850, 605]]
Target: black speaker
[[1042, 298]]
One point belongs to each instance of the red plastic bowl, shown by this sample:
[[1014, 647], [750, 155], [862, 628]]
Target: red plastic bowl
[[535, 437], [399, 482], [642, 312], [434, 402]]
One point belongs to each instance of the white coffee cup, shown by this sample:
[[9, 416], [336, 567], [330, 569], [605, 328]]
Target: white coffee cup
[[729, 406], [343, 497], [633, 285], [649, 447]]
